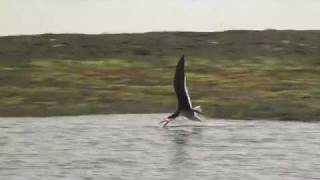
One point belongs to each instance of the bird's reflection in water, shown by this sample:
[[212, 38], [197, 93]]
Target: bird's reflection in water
[[181, 136], [180, 159]]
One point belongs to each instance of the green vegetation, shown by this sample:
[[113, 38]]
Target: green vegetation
[[235, 74]]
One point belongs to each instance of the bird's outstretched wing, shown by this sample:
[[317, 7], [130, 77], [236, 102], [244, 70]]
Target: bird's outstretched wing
[[180, 87]]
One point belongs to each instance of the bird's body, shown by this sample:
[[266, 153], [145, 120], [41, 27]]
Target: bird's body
[[184, 105]]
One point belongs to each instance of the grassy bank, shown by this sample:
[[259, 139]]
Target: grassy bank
[[236, 74]]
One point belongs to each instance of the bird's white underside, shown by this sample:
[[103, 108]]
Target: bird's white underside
[[186, 90]]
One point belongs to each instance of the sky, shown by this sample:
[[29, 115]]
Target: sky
[[129, 16]]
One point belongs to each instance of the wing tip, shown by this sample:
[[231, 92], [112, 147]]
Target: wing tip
[[181, 61], [182, 57]]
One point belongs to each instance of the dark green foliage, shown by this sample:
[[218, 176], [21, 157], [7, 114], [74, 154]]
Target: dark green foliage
[[235, 74]]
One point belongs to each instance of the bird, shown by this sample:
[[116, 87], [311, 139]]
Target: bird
[[184, 105]]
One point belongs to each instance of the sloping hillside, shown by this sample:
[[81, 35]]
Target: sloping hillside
[[234, 74]]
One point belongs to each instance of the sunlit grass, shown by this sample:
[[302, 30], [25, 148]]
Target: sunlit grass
[[243, 89]]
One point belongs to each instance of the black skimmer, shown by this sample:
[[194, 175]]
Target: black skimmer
[[184, 106]]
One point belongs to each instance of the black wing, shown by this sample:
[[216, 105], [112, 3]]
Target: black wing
[[180, 87]]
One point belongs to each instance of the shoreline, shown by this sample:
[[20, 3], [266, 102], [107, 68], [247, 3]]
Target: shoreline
[[232, 75]]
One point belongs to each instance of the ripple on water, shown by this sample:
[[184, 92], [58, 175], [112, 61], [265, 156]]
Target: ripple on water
[[135, 147]]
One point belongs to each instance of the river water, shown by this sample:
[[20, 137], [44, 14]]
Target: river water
[[136, 147]]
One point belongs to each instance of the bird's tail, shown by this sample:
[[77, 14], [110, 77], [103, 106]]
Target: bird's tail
[[197, 109]]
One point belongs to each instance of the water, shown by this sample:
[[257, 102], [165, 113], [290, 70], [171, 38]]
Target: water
[[135, 147]]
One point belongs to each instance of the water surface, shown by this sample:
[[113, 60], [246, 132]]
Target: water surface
[[136, 147]]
